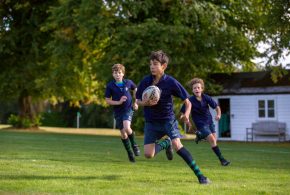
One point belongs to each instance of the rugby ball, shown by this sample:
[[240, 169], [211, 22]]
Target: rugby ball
[[151, 93]]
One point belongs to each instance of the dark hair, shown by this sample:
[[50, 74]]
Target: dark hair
[[118, 67], [160, 56]]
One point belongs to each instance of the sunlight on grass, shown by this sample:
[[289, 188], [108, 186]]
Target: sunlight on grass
[[49, 163]]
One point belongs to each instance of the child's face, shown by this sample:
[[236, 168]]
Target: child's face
[[197, 89], [157, 68], [118, 75]]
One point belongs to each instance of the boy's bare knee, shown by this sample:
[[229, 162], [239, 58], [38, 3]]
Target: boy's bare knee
[[211, 139], [177, 144], [127, 130], [148, 155], [124, 135]]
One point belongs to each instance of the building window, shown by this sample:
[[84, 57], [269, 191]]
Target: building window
[[266, 108]]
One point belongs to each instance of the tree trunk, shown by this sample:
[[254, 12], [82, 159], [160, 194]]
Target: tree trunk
[[26, 110]]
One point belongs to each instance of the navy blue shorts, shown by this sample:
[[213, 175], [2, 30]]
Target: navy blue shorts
[[154, 131], [125, 116], [207, 130]]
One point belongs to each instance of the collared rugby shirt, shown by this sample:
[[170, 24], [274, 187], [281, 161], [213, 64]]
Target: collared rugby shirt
[[115, 92], [200, 113], [169, 87]]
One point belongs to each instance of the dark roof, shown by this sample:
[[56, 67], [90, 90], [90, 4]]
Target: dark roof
[[252, 83]]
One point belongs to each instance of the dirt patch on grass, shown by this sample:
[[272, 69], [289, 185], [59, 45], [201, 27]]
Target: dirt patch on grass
[[93, 131], [88, 131]]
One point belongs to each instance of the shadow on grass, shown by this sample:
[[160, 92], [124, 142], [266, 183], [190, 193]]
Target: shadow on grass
[[43, 177]]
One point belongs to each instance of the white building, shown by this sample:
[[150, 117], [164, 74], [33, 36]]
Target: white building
[[251, 97]]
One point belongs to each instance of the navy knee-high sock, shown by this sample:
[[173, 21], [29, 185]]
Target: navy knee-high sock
[[126, 144], [218, 153], [184, 153], [132, 139], [164, 144]]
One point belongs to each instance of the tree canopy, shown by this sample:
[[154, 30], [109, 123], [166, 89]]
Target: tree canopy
[[23, 71], [276, 29], [64, 50]]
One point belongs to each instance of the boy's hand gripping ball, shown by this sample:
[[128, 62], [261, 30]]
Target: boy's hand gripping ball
[[151, 93]]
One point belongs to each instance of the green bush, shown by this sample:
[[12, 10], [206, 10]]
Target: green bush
[[95, 116], [19, 122], [53, 119], [13, 120]]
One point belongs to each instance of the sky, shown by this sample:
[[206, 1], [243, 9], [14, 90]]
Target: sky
[[284, 60]]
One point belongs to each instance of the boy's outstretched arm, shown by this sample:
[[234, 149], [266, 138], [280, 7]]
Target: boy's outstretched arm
[[135, 105], [146, 103], [114, 103], [134, 93], [218, 113], [185, 115], [140, 102]]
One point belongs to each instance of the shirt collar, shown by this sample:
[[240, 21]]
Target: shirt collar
[[164, 76]]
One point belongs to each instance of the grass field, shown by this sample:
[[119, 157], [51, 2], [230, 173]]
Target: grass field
[[55, 163]]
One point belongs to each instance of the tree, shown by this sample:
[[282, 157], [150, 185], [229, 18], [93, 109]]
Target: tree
[[21, 51], [64, 50], [201, 37], [28, 70], [276, 29], [274, 32], [73, 29]]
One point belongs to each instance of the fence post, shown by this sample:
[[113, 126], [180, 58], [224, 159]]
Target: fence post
[[78, 119], [185, 128]]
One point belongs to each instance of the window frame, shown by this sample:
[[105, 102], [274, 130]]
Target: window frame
[[266, 108]]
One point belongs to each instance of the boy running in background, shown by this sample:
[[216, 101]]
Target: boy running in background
[[159, 116], [118, 94], [202, 118]]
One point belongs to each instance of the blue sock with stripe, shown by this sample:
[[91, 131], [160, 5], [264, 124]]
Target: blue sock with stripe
[[184, 153], [218, 153], [164, 144]]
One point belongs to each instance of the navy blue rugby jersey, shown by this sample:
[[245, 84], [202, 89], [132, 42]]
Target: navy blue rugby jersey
[[169, 87], [115, 92], [200, 113]]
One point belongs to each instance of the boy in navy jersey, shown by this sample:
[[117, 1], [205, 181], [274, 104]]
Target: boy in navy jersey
[[159, 116], [118, 94], [202, 118]]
